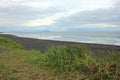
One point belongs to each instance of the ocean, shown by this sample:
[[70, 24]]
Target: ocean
[[110, 38]]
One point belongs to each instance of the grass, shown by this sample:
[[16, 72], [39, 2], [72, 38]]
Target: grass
[[59, 63], [66, 59], [5, 42]]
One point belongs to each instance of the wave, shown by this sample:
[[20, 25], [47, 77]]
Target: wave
[[112, 39]]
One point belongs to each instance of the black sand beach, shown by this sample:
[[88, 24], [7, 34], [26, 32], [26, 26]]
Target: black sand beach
[[44, 45]]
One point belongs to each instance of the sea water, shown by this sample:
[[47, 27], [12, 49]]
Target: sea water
[[110, 38]]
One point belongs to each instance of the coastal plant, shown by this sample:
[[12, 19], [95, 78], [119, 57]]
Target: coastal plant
[[6, 42], [58, 63], [67, 59], [5, 72]]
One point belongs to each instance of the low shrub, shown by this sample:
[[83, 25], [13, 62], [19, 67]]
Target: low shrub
[[66, 59]]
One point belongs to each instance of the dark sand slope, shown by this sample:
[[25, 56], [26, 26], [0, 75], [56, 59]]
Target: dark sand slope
[[44, 45]]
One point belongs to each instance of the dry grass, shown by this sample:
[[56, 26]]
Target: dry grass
[[63, 63]]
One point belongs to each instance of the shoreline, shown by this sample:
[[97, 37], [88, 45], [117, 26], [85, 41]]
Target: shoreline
[[44, 45]]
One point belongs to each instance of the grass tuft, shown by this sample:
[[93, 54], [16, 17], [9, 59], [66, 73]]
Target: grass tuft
[[66, 59]]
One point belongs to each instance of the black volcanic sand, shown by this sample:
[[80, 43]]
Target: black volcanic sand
[[44, 45]]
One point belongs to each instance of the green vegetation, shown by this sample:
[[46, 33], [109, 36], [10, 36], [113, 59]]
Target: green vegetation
[[5, 42], [59, 63]]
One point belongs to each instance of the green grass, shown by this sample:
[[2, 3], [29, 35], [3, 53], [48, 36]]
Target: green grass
[[79, 62], [67, 59], [59, 63], [6, 42]]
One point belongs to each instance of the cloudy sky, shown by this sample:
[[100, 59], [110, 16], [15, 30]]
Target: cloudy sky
[[59, 15]]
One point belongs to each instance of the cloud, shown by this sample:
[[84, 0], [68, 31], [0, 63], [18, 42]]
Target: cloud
[[78, 7], [83, 4], [40, 22], [100, 25], [49, 20], [55, 14], [100, 18], [17, 16]]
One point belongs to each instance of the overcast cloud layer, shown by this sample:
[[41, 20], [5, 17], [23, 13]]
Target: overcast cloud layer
[[59, 15]]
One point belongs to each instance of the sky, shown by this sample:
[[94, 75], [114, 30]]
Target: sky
[[59, 15]]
